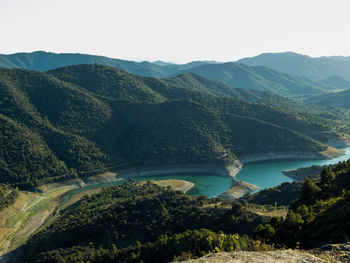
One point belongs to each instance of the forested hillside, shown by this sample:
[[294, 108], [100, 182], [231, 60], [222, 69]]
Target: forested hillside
[[84, 119], [302, 65], [320, 215], [8, 196], [247, 76], [142, 221], [261, 78], [339, 99], [337, 81]]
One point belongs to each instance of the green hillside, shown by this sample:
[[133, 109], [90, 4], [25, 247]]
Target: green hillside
[[8, 196], [301, 65], [338, 99], [233, 74], [43, 61], [113, 83], [79, 120], [338, 82], [321, 214], [132, 222], [142, 221], [261, 78]]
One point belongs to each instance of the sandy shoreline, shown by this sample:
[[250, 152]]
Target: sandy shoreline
[[237, 188], [330, 153], [220, 170]]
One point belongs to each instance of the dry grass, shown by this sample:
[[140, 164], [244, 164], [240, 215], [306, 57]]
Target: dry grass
[[26, 216], [177, 185], [332, 152], [269, 212]]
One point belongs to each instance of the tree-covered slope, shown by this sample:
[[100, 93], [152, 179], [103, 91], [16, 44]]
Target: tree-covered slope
[[130, 216], [321, 214], [113, 83], [338, 82], [8, 196], [43, 61], [301, 65], [260, 78], [233, 74], [187, 131], [338, 99], [89, 118]]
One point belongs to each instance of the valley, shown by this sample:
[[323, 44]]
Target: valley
[[89, 137]]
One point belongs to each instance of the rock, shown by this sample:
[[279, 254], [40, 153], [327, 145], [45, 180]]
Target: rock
[[280, 256], [336, 252]]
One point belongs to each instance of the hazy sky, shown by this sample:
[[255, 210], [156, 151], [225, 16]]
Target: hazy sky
[[177, 30]]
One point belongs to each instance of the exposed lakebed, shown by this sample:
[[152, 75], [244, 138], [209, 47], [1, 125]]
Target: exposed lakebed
[[263, 174]]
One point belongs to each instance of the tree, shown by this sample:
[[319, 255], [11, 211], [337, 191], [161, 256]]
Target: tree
[[264, 232], [309, 190], [327, 176]]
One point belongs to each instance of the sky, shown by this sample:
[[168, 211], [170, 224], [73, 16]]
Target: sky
[[178, 30]]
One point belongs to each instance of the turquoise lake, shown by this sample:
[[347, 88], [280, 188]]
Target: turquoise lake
[[269, 173], [263, 174]]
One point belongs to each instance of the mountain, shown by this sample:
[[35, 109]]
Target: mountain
[[261, 78], [112, 83], [338, 99], [338, 82], [302, 65], [83, 119], [232, 74], [320, 215], [43, 61], [137, 222], [162, 63]]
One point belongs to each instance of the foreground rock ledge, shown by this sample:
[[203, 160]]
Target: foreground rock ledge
[[280, 256]]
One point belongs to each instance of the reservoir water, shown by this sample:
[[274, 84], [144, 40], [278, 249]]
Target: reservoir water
[[269, 173], [263, 174]]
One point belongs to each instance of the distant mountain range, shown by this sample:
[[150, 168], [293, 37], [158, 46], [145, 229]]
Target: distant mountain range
[[261, 78], [301, 65], [233, 74]]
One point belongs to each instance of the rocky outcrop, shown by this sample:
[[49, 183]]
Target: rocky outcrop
[[280, 256], [335, 252], [238, 190]]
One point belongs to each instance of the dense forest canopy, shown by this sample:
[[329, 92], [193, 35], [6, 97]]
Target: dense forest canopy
[[79, 120]]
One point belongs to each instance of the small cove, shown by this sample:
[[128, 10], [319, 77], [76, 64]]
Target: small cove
[[266, 174]]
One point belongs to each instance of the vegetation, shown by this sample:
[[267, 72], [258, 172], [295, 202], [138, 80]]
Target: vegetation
[[190, 244], [339, 99], [8, 196], [280, 195], [84, 119], [234, 74], [261, 78], [136, 221], [302, 65], [338, 82], [320, 215]]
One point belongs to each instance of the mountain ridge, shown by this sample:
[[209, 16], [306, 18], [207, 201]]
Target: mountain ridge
[[94, 121], [302, 65]]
